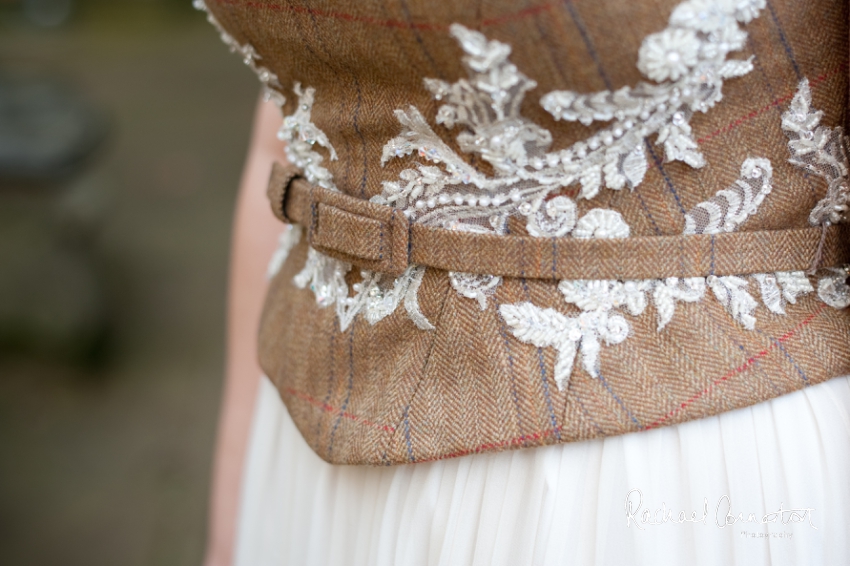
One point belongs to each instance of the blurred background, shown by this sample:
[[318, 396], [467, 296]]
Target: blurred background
[[123, 126]]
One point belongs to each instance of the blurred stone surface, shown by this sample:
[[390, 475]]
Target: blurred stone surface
[[52, 302], [111, 465], [47, 130], [48, 13], [51, 299]]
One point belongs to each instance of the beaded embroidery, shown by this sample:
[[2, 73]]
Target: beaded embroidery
[[821, 151], [815, 148], [690, 55], [446, 191], [688, 61]]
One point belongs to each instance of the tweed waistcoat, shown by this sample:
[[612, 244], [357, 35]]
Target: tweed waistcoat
[[515, 224]]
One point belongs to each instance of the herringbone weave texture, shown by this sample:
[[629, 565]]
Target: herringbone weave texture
[[391, 393]]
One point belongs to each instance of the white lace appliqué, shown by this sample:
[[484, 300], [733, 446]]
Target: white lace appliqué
[[817, 149], [603, 301], [374, 297], [688, 62], [689, 59], [820, 151]]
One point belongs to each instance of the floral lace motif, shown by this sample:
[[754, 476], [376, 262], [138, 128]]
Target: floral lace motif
[[301, 134], [688, 61], [821, 151], [374, 297], [690, 56]]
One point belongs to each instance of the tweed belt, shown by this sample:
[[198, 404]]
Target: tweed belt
[[380, 238]]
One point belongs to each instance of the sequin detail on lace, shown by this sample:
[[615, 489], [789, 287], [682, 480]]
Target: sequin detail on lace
[[601, 301], [821, 151], [373, 296], [444, 190], [688, 62], [325, 276], [817, 149], [301, 134], [690, 56]]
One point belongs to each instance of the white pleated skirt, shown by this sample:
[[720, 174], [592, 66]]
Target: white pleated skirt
[[713, 489]]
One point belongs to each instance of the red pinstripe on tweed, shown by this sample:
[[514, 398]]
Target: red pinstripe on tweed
[[519, 440], [527, 12], [675, 411], [814, 83], [331, 409], [741, 368]]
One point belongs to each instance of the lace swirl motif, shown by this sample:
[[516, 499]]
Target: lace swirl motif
[[688, 62]]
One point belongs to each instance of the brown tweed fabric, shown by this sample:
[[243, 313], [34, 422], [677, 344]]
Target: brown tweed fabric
[[378, 237], [391, 393]]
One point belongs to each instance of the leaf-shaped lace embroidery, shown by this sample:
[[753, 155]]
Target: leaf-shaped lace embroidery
[[374, 296], [732, 294], [724, 212], [817, 149], [689, 58], [781, 287], [668, 291], [689, 61], [821, 151], [730, 207], [547, 327]]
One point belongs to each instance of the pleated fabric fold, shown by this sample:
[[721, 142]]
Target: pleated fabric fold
[[566, 504]]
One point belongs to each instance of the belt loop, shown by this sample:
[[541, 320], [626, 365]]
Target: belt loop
[[280, 181], [314, 215], [379, 238]]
